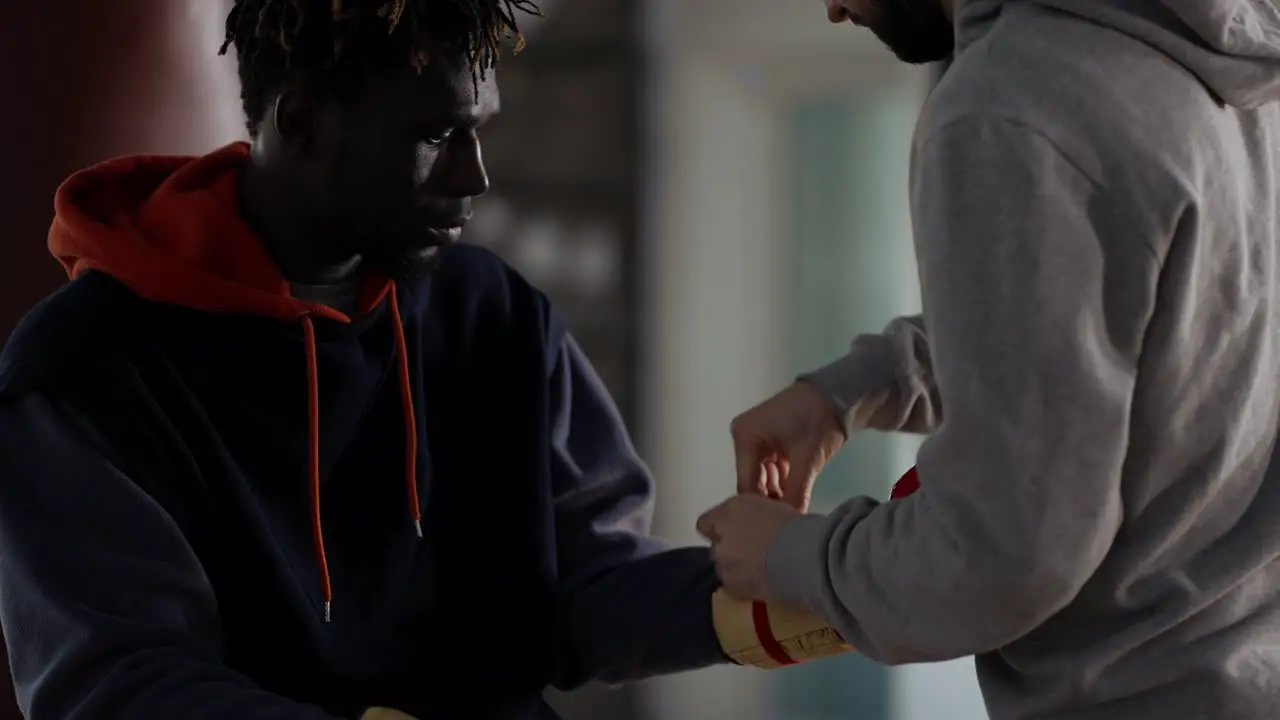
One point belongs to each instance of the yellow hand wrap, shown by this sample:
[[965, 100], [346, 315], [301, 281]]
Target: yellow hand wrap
[[770, 635]]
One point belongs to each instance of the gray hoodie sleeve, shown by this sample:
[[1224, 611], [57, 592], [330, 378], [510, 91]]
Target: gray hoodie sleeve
[[885, 382], [1037, 297]]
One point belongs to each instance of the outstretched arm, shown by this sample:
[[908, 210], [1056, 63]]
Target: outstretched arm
[[631, 607]]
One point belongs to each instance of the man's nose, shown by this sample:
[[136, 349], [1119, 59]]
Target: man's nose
[[466, 175], [836, 12]]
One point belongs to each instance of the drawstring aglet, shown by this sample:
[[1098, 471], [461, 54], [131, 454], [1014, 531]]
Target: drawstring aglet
[[417, 526], [328, 610]]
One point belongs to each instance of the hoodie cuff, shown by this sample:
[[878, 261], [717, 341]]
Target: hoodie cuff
[[796, 562], [855, 386]]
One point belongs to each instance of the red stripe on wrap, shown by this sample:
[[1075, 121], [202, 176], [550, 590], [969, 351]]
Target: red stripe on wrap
[[906, 485], [764, 633]]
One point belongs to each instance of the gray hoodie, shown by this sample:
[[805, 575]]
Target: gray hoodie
[[1097, 212]]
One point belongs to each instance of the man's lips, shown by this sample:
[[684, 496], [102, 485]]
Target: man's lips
[[442, 235], [441, 226], [445, 234]]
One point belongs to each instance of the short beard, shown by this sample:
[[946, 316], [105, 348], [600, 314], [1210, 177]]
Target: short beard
[[405, 268], [916, 31]]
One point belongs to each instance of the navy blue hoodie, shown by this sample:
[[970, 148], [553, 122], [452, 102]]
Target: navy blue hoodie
[[223, 502]]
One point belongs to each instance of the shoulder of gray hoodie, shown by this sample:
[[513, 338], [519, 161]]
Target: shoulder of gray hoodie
[[1096, 213]]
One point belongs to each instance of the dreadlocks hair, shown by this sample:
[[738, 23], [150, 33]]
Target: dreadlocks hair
[[340, 40]]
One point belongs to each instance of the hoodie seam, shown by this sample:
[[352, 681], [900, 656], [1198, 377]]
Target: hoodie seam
[[1032, 130]]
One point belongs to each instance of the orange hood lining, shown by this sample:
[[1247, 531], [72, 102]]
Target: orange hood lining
[[170, 229]]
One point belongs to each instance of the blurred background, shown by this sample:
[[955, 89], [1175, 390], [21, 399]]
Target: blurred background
[[713, 191]]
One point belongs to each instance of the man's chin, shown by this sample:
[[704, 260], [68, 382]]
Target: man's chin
[[915, 56], [916, 49], [412, 266], [405, 265], [410, 257]]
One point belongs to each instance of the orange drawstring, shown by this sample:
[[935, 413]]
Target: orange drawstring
[[410, 419], [313, 462], [313, 441]]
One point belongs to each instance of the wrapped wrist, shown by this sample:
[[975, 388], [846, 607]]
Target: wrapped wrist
[[771, 635]]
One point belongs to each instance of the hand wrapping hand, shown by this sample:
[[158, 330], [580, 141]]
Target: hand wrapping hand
[[781, 444], [741, 529]]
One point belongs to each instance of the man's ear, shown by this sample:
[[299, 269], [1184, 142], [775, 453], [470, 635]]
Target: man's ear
[[296, 117]]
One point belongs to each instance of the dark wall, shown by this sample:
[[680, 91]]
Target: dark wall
[[563, 157]]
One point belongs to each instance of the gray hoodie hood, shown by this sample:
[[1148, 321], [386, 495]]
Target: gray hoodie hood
[[1233, 46]]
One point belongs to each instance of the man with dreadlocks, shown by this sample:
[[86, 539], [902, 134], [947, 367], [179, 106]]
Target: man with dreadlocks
[[279, 451]]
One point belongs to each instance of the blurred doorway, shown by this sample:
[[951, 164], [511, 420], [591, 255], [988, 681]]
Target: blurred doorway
[[777, 227]]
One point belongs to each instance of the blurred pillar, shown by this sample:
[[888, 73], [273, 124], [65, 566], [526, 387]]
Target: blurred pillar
[[83, 81], [86, 80]]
